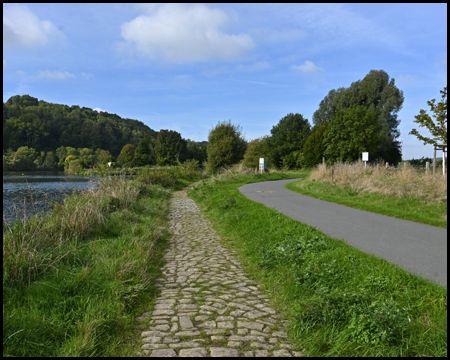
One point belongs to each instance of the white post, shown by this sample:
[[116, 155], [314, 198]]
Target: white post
[[387, 164], [427, 167], [443, 161]]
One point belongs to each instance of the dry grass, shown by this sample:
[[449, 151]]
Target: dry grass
[[399, 182]]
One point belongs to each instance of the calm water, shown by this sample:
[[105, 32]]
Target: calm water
[[27, 193]]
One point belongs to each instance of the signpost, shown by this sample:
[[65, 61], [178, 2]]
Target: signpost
[[261, 164], [365, 158]]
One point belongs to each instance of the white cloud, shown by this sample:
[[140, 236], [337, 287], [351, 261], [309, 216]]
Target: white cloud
[[23, 29], [179, 32], [308, 68], [98, 109], [58, 75]]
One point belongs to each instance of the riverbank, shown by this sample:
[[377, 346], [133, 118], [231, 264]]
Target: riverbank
[[75, 279]]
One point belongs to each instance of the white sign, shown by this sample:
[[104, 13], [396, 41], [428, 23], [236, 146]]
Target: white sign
[[109, 164], [365, 156], [261, 164]]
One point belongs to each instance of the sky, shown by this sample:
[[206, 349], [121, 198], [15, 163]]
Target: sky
[[185, 67]]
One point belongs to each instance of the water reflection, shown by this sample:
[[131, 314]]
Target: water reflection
[[28, 193]]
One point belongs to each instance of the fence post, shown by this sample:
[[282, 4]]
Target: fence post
[[323, 163], [427, 167], [387, 164]]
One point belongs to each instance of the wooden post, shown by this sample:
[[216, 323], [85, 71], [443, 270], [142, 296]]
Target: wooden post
[[427, 167], [387, 164], [434, 162]]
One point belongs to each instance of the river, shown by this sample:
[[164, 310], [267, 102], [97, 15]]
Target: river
[[26, 193]]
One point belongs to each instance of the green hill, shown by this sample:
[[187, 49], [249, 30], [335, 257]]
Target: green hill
[[44, 126]]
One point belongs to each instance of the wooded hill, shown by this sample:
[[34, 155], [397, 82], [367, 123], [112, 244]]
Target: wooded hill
[[44, 126]]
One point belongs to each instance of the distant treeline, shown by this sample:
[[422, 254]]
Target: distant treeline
[[38, 135]]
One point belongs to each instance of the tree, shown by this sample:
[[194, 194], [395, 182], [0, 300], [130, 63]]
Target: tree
[[352, 132], [378, 93], [196, 151], [438, 126], [257, 148], [126, 155], [170, 147], [144, 152], [287, 140], [314, 147], [226, 145]]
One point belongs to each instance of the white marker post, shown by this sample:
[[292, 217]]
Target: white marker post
[[365, 158], [261, 164]]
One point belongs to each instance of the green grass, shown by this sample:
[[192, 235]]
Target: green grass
[[75, 280], [339, 300], [406, 208]]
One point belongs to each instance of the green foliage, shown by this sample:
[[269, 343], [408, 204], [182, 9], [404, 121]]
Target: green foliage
[[46, 127], [144, 152], [438, 126], [377, 93], [352, 132], [257, 148], [170, 147], [314, 147], [197, 151], [226, 145], [126, 155], [287, 139]]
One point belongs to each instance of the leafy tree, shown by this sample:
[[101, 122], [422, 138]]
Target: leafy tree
[[256, 149], [50, 160], [170, 147], [314, 147], [103, 156], [197, 151], [378, 93], [287, 140], [438, 126], [226, 145], [126, 155], [352, 132], [144, 152], [87, 156]]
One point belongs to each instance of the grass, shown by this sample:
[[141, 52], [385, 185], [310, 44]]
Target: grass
[[404, 193], [75, 279], [339, 300]]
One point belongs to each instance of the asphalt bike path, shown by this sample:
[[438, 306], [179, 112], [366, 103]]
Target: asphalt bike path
[[418, 248]]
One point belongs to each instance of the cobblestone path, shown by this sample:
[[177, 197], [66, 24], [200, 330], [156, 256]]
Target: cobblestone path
[[207, 306]]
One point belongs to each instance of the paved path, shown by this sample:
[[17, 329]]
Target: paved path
[[421, 249], [207, 306]]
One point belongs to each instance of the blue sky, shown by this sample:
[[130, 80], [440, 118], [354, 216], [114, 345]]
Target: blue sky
[[186, 67]]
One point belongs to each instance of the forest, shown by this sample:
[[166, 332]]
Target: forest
[[348, 121]]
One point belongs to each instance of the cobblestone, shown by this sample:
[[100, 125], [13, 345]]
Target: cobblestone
[[207, 306]]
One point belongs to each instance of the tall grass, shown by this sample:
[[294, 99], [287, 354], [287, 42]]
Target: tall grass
[[75, 279], [400, 182]]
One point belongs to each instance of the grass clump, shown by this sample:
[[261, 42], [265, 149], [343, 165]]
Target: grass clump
[[406, 193], [338, 300], [75, 279]]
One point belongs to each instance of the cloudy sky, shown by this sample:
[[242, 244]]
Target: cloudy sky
[[186, 67]]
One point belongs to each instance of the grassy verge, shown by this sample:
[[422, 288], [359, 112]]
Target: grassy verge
[[74, 280], [339, 301], [406, 208], [404, 193]]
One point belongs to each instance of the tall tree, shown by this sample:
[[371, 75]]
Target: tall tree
[[438, 126], [314, 147], [226, 145], [352, 132], [378, 93], [287, 139], [170, 147], [257, 148], [126, 155]]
